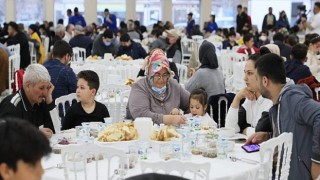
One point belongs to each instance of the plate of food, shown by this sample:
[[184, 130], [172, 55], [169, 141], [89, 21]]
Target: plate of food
[[124, 57], [163, 136], [93, 58], [122, 134]]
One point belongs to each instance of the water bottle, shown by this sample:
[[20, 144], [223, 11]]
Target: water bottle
[[177, 147], [222, 146]]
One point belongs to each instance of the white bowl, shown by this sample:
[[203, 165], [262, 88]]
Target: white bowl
[[226, 132]]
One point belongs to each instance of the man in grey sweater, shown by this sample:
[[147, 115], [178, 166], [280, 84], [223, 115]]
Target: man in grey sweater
[[294, 111]]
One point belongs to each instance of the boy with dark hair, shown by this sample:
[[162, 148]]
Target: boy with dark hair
[[87, 109], [21, 147], [62, 76], [294, 111]]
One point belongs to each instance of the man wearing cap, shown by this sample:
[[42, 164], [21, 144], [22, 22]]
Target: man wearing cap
[[80, 40], [131, 48], [104, 44], [190, 24], [110, 21]]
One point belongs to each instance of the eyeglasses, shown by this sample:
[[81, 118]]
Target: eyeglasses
[[161, 76]]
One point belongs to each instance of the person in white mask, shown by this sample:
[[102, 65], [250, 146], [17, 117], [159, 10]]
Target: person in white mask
[[69, 33], [104, 43]]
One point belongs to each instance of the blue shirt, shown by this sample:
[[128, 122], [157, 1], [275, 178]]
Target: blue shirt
[[212, 26], [112, 26], [77, 20], [62, 77], [190, 25]]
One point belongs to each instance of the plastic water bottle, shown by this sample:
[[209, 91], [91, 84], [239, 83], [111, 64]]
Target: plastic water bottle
[[222, 146], [177, 147]]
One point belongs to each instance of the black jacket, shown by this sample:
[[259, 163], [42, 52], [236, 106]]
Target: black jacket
[[20, 38], [17, 105]]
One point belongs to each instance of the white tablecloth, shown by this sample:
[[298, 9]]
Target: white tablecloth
[[220, 168]]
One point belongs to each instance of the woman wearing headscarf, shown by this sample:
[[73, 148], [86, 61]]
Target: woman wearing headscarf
[[208, 76], [35, 35], [158, 94]]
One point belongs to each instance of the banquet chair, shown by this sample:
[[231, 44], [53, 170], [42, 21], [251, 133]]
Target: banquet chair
[[79, 55], [218, 107], [14, 49], [45, 42], [168, 167], [32, 53], [280, 146], [197, 38], [65, 102], [186, 50], [75, 157], [182, 72], [317, 90], [14, 65]]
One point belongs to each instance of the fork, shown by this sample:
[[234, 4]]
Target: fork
[[250, 161]]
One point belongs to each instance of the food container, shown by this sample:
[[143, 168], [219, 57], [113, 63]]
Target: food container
[[210, 153]]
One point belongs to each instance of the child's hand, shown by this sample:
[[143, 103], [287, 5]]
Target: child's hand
[[175, 111]]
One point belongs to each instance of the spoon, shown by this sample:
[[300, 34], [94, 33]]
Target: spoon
[[234, 159]]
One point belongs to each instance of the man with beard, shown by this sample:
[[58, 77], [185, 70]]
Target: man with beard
[[34, 101], [294, 111], [131, 48]]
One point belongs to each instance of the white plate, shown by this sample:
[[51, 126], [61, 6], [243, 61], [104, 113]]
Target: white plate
[[118, 144]]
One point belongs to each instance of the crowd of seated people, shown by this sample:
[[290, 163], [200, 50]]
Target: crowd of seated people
[[277, 65]]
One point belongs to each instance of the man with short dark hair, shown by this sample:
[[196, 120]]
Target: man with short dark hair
[[22, 147], [131, 48], [295, 68], [294, 111], [190, 24], [269, 21], [62, 76], [110, 21], [17, 37], [104, 43], [77, 18], [242, 18], [278, 39]]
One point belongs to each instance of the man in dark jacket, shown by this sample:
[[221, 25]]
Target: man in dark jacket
[[269, 21], [80, 40], [104, 44], [242, 19], [285, 50], [34, 101], [62, 76], [17, 37], [131, 48]]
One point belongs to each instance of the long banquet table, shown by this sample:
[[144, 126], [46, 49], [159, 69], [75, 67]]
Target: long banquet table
[[220, 168]]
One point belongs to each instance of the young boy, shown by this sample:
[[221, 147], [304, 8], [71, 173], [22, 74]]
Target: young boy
[[87, 109], [22, 146]]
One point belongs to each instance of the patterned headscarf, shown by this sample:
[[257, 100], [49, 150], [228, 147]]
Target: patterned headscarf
[[157, 61]]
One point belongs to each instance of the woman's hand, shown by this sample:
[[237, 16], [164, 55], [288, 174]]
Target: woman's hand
[[175, 111], [174, 119]]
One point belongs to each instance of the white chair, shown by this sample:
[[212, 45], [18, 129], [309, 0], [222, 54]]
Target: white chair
[[45, 43], [182, 72], [32, 53], [83, 152], [63, 99], [283, 144], [186, 50], [14, 49], [14, 65], [79, 55], [202, 169], [221, 98], [197, 38]]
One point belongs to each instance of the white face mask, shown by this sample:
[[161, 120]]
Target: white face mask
[[263, 38]]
